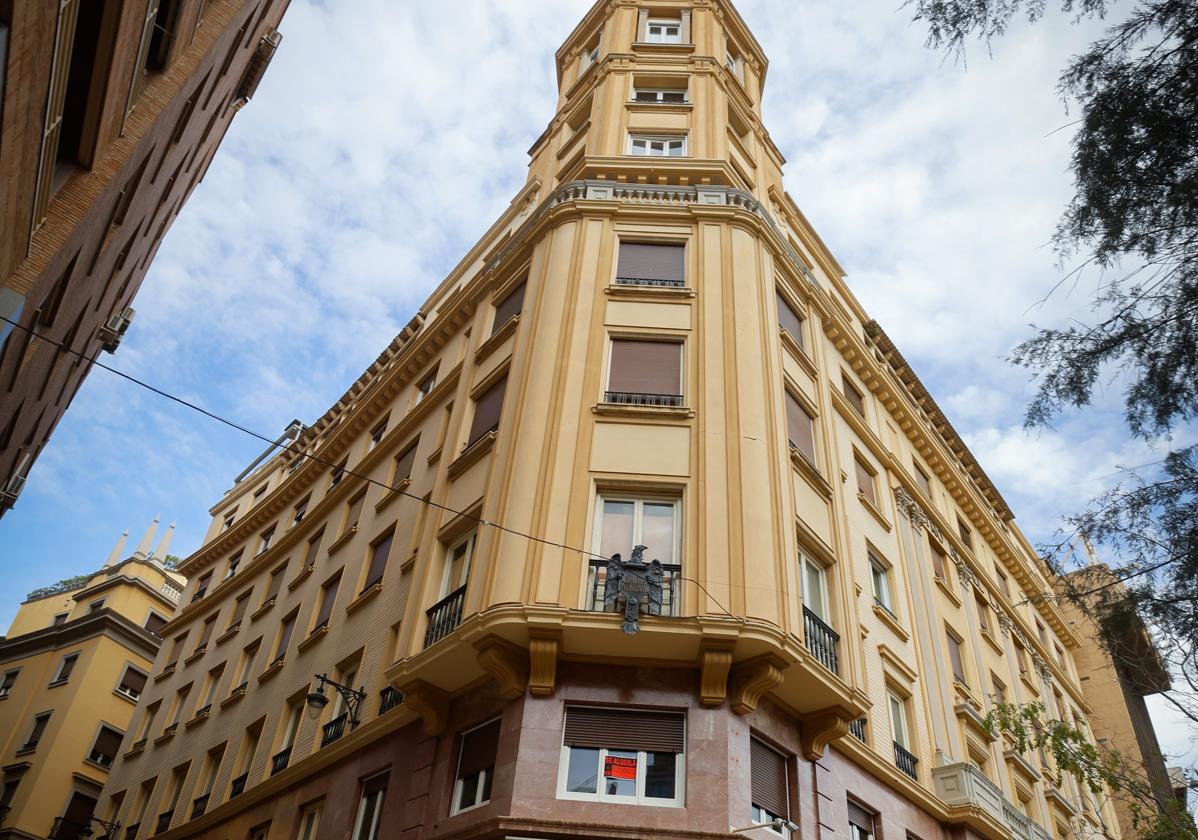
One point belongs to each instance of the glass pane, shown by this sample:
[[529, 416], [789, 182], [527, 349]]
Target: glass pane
[[457, 567], [617, 765], [367, 810], [657, 531], [582, 774], [485, 796], [469, 794], [617, 528], [659, 775], [814, 596]]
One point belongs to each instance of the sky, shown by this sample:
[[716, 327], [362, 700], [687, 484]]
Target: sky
[[373, 156]]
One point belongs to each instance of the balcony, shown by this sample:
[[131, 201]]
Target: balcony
[[164, 821], [279, 763], [238, 785], [1023, 826], [333, 730], [905, 761], [131, 831], [65, 829], [138, 745], [200, 805], [655, 400], [444, 616], [597, 588], [389, 698], [964, 784], [821, 641]]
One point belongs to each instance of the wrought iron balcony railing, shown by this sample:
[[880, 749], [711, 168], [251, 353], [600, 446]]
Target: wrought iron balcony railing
[[64, 829], [444, 616], [597, 588], [238, 785], [333, 730], [131, 831], [279, 763], [389, 698], [857, 729], [200, 805], [651, 281], [905, 761], [821, 640], [139, 744], [164, 821], [630, 398]]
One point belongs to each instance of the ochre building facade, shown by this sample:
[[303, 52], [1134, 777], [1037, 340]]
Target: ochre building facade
[[73, 665], [110, 114], [651, 347]]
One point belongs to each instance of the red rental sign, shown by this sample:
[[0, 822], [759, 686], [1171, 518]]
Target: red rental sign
[[616, 767]]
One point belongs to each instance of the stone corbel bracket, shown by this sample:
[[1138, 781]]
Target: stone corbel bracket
[[506, 663], [715, 661], [544, 645], [818, 729], [428, 701], [750, 679]]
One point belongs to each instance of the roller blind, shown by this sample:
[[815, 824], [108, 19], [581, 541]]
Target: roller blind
[[645, 367], [108, 742], [508, 307], [768, 771], [861, 818], [625, 729], [375, 784], [403, 464], [479, 747], [134, 681], [790, 321], [155, 623], [644, 261], [285, 636], [327, 598], [486, 410], [800, 428], [378, 560]]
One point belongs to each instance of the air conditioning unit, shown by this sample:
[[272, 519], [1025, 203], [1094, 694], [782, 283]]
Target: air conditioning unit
[[110, 334], [12, 491]]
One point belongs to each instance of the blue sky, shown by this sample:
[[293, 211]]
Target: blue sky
[[373, 156]]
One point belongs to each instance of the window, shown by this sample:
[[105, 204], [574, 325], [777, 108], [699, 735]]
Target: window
[[309, 822], [227, 522], [954, 656], [403, 465], [239, 607], [60, 619], [1020, 656], [207, 780], [260, 832], [815, 588], [663, 32], [855, 398], [378, 433], [880, 575], [508, 308], [248, 655], [132, 684], [301, 508], [379, 551], [898, 720], [426, 385], [312, 550], [621, 755], [861, 822], [1040, 632], [292, 718], [177, 710], [202, 587], [337, 473], [628, 522], [65, 667], [659, 95], [35, 734], [487, 407], [12, 779], [210, 685], [285, 629], [866, 481], [923, 480], [328, 596], [205, 634], [10, 679], [770, 794], [155, 623], [106, 746], [265, 539], [476, 766], [966, 534], [643, 146], [644, 373], [983, 612], [1000, 690], [939, 562], [234, 563], [258, 494], [95, 606], [457, 567], [276, 583], [353, 512], [651, 264], [1003, 583], [370, 807], [177, 644], [790, 321], [800, 428]]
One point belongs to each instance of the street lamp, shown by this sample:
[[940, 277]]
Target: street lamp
[[780, 825], [111, 829], [352, 698]]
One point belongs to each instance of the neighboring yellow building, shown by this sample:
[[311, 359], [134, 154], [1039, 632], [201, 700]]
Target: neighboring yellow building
[[650, 346], [72, 667]]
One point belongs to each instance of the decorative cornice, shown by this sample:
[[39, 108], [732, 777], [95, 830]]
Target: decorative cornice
[[104, 622]]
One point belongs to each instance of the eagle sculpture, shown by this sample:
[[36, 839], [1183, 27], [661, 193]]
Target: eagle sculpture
[[634, 586]]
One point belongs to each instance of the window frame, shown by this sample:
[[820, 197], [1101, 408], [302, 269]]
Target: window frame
[[486, 776], [675, 23], [639, 500], [376, 811], [658, 92], [900, 722], [470, 540], [807, 560], [807, 407], [677, 341], [667, 140], [863, 469], [880, 570], [67, 663], [639, 798]]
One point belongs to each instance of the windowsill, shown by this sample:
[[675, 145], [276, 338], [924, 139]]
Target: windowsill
[[873, 509], [647, 46], [614, 410], [313, 637], [164, 737], [659, 107], [965, 694], [340, 542], [798, 352], [812, 474], [228, 634], [497, 338], [890, 620], [196, 655], [197, 720], [661, 294], [469, 808], [164, 674], [233, 698], [948, 591], [264, 609], [305, 573], [26, 750], [1028, 684], [471, 455], [134, 752], [57, 683], [393, 494], [272, 670], [367, 594], [434, 456], [994, 643], [971, 716], [125, 697]]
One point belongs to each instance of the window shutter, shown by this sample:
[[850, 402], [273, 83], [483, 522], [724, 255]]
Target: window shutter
[[375, 784], [486, 410], [861, 818], [643, 261], [79, 811], [276, 580], [155, 623], [309, 558], [134, 681], [327, 598], [206, 632], [68, 665], [865, 482], [403, 465], [285, 636], [508, 307], [108, 742], [354, 513], [620, 729], [790, 321], [768, 771], [378, 560], [800, 428], [239, 608], [954, 654], [479, 748], [645, 367]]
